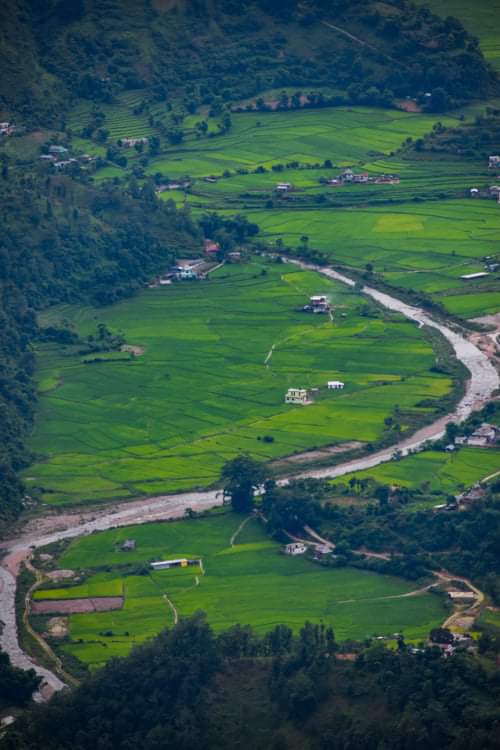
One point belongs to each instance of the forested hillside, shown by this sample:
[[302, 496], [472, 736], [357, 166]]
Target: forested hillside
[[66, 242], [213, 51], [191, 689]]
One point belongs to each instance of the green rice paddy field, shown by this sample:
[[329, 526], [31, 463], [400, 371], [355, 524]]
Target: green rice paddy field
[[208, 385], [423, 233], [425, 247], [250, 583], [448, 473]]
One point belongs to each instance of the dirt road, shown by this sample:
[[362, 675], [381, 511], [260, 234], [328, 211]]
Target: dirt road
[[483, 381]]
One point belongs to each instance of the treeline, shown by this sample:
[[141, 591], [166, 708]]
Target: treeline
[[212, 52], [191, 688], [16, 685], [476, 140], [67, 242]]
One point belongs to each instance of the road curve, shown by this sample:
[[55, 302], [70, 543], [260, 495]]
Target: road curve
[[483, 381]]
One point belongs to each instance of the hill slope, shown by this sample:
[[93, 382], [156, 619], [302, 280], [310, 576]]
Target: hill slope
[[199, 51]]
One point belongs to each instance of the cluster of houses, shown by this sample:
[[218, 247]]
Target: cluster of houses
[[321, 551], [57, 157], [304, 397], [349, 177], [494, 190], [131, 142], [7, 128]]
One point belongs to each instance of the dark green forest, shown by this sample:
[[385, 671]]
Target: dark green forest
[[190, 689], [215, 51]]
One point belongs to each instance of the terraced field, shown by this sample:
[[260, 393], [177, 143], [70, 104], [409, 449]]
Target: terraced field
[[210, 384], [346, 135], [249, 582]]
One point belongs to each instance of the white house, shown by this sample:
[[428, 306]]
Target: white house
[[55, 149], [474, 276], [181, 562], [482, 436], [335, 385], [319, 303], [284, 187], [185, 272], [296, 396], [131, 142], [295, 548]]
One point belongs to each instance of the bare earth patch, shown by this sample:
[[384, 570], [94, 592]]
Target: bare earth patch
[[135, 350], [57, 627], [59, 575], [77, 606], [319, 454]]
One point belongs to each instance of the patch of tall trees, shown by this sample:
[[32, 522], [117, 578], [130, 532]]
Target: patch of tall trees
[[191, 688], [215, 51]]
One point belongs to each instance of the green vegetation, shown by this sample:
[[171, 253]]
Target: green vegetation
[[97, 52], [250, 582], [482, 19], [66, 241], [194, 688], [447, 473], [16, 685], [204, 390]]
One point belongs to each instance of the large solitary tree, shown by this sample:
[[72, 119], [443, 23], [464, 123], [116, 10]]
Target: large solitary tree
[[242, 475]]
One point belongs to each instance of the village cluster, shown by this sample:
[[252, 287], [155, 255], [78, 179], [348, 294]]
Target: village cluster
[[494, 190], [347, 177], [58, 156]]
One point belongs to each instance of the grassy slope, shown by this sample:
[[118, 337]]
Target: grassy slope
[[248, 583], [201, 392]]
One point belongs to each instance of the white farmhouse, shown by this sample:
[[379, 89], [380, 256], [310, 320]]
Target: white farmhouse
[[335, 385], [295, 548], [296, 396]]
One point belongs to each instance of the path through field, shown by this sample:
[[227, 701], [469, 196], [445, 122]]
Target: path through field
[[483, 382]]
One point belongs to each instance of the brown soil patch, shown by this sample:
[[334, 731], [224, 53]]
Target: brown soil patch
[[136, 350], [408, 105], [76, 606], [319, 454], [57, 627], [59, 575]]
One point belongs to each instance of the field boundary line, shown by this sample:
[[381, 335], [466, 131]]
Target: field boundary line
[[240, 528], [173, 609]]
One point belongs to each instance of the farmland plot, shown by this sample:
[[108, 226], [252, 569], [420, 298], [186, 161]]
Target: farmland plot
[[250, 582], [219, 356]]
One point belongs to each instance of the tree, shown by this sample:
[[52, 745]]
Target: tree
[[242, 475], [439, 100]]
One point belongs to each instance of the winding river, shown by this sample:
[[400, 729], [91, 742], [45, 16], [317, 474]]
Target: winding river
[[484, 380]]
